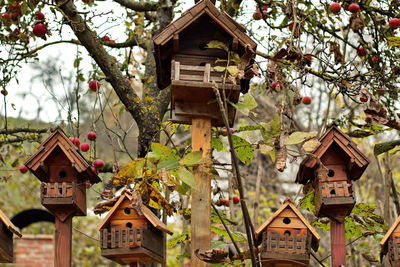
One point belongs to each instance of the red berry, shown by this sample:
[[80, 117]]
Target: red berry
[[306, 100], [361, 51], [218, 202], [290, 26], [375, 59], [75, 141], [6, 16], [394, 23], [224, 131], [226, 202], [94, 85], [353, 8], [274, 85], [236, 199], [91, 136], [40, 16], [85, 147], [308, 57], [335, 7], [22, 168], [106, 38], [94, 170], [39, 30], [257, 15], [364, 99], [265, 13], [98, 164]]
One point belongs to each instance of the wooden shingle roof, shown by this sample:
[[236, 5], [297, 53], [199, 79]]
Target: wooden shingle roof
[[58, 139], [289, 204], [148, 214], [204, 7], [358, 160], [9, 225]]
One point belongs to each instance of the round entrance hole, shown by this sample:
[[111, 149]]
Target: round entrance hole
[[62, 174], [127, 211], [331, 173], [287, 220], [129, 225], [287, 232], [333, 192]]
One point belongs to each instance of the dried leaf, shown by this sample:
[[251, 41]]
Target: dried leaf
[[335, 49], [280, 54], [311, 145], [357, 22], [299, 137], [129, 172], [156, 196], [212, 256], [280, 162]]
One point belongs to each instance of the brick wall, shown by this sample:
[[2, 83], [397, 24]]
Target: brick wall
[[34, 251]]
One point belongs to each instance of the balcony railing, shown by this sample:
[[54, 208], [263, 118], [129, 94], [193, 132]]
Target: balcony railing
[[273, 242], [58, 190], [335, 189]]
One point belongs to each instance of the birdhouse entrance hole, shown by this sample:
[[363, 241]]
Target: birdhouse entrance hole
[[287, 220], [331, 173], [287, 232], [333, 192], [129, 225], [127, 211], [62, 174]]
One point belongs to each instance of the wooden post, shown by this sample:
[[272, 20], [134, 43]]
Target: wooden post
[[338, 245], [201, 194], [63, 242]]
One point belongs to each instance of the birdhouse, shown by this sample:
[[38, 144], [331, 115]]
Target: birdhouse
[[64, 173], [132, 234], [390, 244], [185, 62], [7, 231], [287, 238], [331, 169]]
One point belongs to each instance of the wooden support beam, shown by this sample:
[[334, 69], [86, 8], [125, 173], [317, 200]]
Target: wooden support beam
[[338, 244], [201, 194], [63, 242]]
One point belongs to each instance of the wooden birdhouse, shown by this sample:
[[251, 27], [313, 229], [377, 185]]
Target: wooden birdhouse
[[331, 169], [184, 62], [390, 244], [63, 172], [7, 231], [131, 235], [287, 238]]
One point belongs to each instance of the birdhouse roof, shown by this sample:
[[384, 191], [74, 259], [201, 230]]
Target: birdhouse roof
[[148, 214], [9, 225], [357, 164], [58, 139], [390, 232], [203, 7], [289, 204]]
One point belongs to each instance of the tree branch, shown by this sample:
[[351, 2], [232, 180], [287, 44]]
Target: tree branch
[[23, 130], [137, 6]]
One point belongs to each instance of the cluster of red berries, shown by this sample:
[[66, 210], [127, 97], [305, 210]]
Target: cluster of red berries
[[261, 14]]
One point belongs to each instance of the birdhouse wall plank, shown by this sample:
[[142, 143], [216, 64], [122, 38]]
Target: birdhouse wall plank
[[6, 244]]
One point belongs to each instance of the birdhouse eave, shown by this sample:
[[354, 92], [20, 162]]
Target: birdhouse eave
[[389, 233], [9, 225]]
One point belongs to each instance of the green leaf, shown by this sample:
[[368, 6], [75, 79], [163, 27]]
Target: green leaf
[[216, 143], [299, 137], [219, 68], [233, 70], [216, 219], [217, 44], [237, 236], [307, 202], [385, 146], [244, 149], [130, 172], [192, 158], [271, 130], [186, 176], [311, 145], [246, 104], [160, 152], [179, 239], [168, 164]]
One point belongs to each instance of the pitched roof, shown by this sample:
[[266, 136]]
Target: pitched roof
[[148, 214], [389, 233], [222, 19], [333, 136], [10, 226], [58, 139], [289, 204]]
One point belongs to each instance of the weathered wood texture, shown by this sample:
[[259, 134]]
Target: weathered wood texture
[[63, 242], [201, 193], [338, 244], [6, 244]]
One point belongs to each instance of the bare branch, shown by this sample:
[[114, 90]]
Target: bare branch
[[137, 6]]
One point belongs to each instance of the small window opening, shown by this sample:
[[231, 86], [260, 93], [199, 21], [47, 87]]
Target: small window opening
[[129, 225], [62, 174], [127, 211], [287, 220], [331, 173], [333, 192], [203, 46], [287, 232]]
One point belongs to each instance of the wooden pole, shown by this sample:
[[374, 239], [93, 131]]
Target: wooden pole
[[63, 242], [201, 194], [338, 244]]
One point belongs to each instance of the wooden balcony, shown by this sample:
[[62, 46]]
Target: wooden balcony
[[335, 189], [67, 196], [193, 95], [394, 250], [127, 245], [288, 247]]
